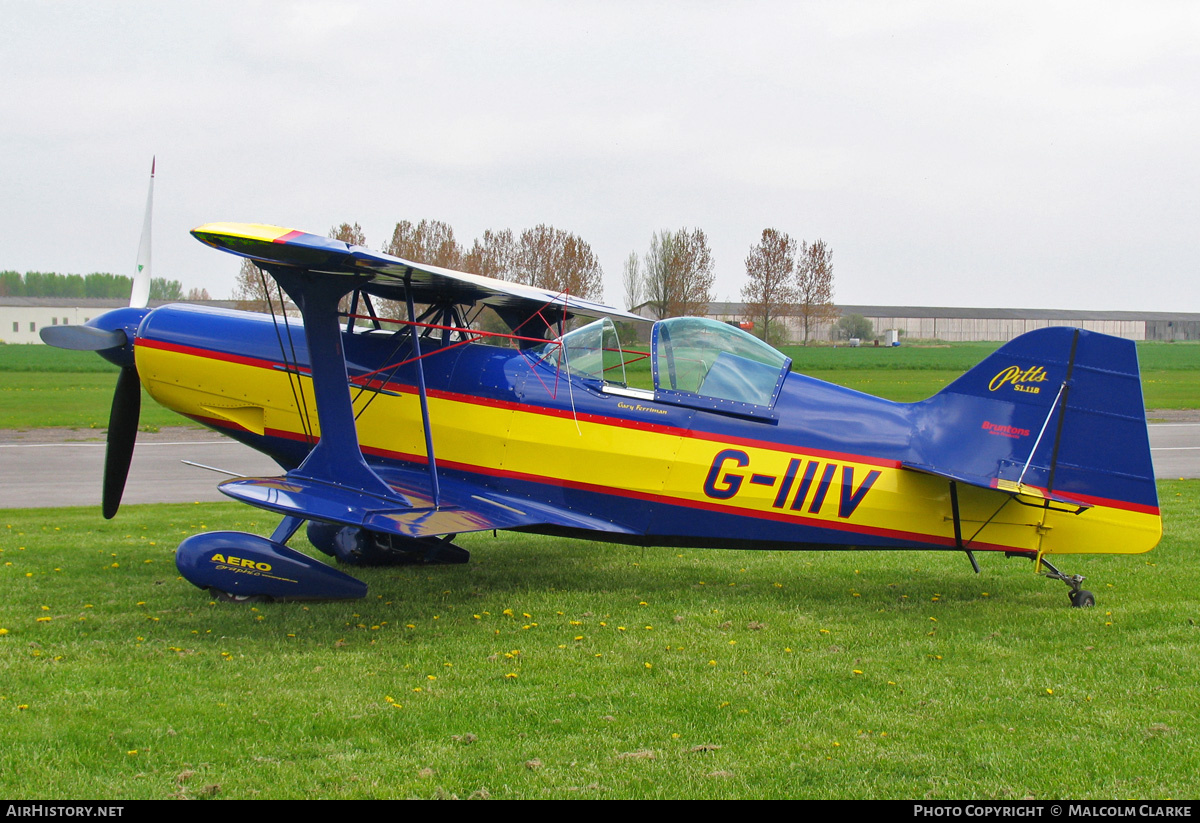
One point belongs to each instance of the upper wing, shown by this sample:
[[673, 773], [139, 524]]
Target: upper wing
[[388, 275]]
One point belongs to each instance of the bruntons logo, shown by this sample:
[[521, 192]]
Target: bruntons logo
[[1004, 431]]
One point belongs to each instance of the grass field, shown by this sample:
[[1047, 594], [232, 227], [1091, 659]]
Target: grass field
[[558, 669], [41, 386]]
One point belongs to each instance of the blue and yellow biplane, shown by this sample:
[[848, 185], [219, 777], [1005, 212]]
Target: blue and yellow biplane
[[396, 436]]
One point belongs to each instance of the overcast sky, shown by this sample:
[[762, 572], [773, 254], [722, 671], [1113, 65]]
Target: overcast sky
[[1041, 155]]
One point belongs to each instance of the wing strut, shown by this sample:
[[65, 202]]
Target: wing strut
[[416, 341], [337, 458]]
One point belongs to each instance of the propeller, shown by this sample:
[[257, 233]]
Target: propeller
[[122, 432], [115, 344]]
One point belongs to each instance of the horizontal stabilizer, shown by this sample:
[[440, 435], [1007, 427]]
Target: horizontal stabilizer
[[1011, 487]]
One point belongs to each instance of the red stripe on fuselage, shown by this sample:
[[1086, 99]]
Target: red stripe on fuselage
[[619, 422]]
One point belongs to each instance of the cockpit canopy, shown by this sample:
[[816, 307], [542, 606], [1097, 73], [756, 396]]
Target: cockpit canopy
[[695, 355], [695, 362]]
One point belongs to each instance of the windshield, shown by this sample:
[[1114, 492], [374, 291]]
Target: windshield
[[591, 351], [713, 359]]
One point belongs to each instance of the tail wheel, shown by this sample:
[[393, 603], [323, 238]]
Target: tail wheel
[[1082, 599]]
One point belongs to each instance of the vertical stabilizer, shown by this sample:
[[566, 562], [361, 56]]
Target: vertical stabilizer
[[1058, 410]]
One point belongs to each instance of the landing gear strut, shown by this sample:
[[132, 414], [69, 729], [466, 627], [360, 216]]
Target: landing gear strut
[[1080, 598]]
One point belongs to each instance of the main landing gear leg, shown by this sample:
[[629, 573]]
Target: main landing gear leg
[[1080, 598]]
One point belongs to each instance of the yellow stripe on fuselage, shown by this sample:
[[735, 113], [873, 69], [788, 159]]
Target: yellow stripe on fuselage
[[872, 499]]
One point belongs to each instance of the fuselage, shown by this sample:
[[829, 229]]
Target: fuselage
[[822, 468]]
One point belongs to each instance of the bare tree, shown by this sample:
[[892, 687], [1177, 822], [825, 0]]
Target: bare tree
[[430, 242], [679, 273], [770, 292], [347, 233], [814, 286], [493, 255], [558, 261], [633, 281], [353, 234], [197, 294], [251, 289]]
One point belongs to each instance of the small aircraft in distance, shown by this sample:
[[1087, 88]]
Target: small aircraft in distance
[[396, 436]]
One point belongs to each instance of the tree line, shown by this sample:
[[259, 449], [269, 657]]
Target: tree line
[[96, 285], [673, 277]]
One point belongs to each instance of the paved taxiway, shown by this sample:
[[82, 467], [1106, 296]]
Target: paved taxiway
[[63, 467]]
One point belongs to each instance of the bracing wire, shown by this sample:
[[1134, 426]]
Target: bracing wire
[[300, 383], [283, 354]]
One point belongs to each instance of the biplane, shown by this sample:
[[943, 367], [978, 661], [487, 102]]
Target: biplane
[[494, 405]]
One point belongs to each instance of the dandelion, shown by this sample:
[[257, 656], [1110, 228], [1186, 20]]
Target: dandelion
[[712, 662], [648, 665], [3, 632], [1049, 691], [510, 675], [858, 671]]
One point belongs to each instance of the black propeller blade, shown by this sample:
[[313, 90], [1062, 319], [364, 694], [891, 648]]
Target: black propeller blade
[[122, 432]]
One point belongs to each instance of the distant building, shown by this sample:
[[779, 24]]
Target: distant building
[[962, 324], [22, 317]]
